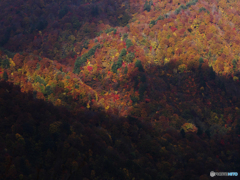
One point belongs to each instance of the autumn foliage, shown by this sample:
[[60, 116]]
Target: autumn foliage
[[136, 89]]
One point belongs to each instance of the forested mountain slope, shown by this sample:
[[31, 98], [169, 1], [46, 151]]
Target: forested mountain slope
[[135, 89]]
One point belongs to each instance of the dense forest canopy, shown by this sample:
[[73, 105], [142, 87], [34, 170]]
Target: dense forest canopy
[[134, 89]]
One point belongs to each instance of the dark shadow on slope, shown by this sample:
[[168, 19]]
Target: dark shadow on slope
[[58, 143], [47, 27], [44, 141]]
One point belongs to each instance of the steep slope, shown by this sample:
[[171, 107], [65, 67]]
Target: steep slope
[[173, 65]]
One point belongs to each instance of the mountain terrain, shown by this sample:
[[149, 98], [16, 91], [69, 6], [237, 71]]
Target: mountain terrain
[[134, 89]]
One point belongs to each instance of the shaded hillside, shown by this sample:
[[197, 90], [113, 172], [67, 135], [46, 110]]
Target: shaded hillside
[[44, 26], [40, 141]]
